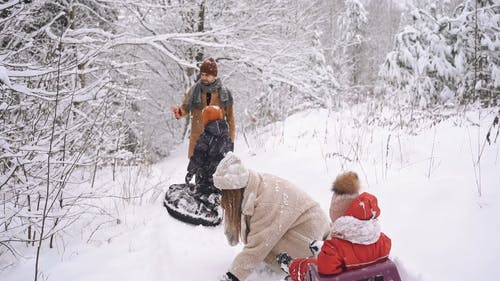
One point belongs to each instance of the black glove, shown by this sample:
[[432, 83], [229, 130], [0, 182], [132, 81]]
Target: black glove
[[229, 277], [188, 178], [284, 261], [315, 246]]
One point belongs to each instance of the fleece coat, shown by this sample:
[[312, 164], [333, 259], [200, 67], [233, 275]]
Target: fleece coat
[[276, 217], [196, 116]]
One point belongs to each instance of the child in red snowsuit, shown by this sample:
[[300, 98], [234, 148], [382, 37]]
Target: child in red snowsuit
[[356, 239]]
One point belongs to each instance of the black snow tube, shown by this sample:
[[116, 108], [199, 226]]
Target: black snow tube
[[188, 205]]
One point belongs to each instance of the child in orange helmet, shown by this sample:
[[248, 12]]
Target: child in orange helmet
[[209, 150]]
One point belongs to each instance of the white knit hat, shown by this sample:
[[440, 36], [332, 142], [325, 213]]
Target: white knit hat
[[231, 174]]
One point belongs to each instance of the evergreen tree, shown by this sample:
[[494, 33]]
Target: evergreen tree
[[477, 45], [383, 23], [352, 26], [439, 60]]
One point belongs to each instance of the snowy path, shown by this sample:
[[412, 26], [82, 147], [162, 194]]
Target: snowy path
[[440, 228]]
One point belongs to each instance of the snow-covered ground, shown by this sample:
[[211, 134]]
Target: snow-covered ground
[[427, 185]]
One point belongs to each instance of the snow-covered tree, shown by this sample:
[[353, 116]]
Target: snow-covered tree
[[276, 103], [78, 78], [435, 8], [477, 45], [352, 27], [383, 24], [256, 43], [416, 66], [442, 60], [324, 79], [357, 36], [64, 107]]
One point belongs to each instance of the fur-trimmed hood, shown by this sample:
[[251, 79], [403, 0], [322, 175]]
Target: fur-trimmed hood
[[359, 223]]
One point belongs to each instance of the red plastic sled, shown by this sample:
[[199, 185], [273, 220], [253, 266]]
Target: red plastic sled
[[384, 271]]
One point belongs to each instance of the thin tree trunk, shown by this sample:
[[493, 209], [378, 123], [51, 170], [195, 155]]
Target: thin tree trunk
[[29, 226], [476, 39], [80, 66], [49, 156]]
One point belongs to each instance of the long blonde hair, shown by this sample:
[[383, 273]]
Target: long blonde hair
[[231, 203]]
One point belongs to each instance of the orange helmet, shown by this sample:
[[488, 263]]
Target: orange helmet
[[211, 113]]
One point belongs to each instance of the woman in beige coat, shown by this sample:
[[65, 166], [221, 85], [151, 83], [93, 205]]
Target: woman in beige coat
[[268, 214]]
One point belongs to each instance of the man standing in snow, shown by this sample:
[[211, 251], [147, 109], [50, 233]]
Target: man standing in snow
[[268, 214], [207, 91]]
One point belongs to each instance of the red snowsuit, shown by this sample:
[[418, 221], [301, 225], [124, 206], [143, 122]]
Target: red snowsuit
[[356, 241]]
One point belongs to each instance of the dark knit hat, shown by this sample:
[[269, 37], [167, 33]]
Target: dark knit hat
[[211, 113], [346, 183], [209, 66]]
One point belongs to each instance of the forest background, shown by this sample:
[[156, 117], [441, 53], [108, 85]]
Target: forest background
[[87, 85]]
